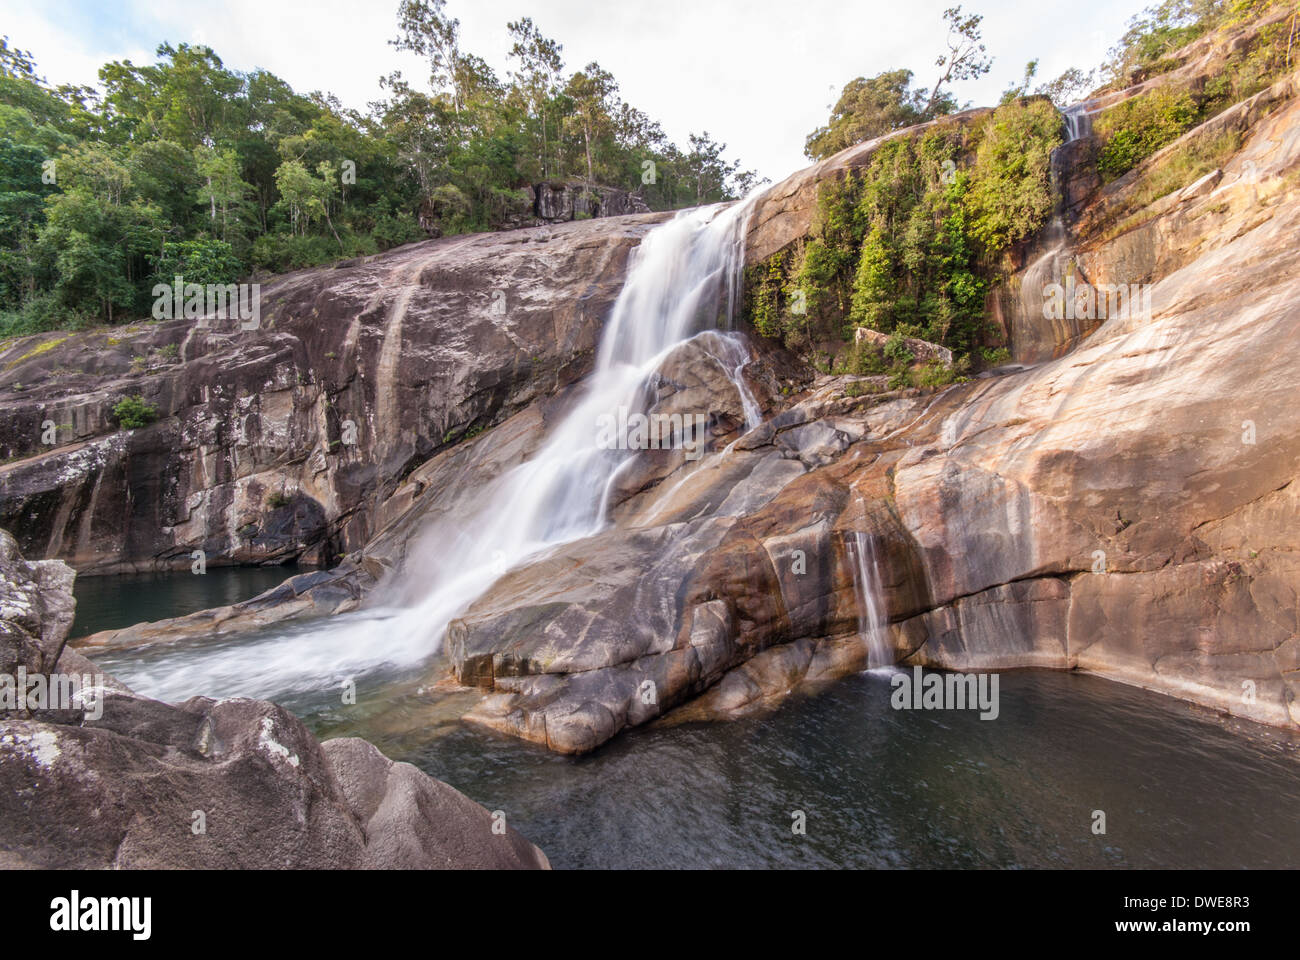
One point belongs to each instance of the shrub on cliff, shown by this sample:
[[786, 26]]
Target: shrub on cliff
[[131, 413], [1139, 127], [1135, 129], [1010, 190], [908, 244]]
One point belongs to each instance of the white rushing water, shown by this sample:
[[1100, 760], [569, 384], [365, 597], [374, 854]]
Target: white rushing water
[[683, 279], [869, 590]]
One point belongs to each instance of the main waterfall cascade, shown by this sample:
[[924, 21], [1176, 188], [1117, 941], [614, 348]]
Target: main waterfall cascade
[[683, 281]]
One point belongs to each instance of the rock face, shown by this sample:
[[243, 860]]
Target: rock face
[[36, 609], [278, 442], [560, 202], [1126, 508], [1125, 505], [122, 781]]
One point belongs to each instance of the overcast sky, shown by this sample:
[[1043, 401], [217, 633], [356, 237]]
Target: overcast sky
[[757, 74]]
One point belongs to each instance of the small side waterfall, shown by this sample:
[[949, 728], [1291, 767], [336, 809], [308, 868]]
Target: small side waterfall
[[869, 591], [1078, 121]]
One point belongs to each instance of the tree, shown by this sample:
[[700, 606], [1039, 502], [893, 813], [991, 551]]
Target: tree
[[536, 76], [183, 162], [1063, 91], [224, 194], [1160, 30], [592, 90], [868, 109], [301, 195], [99, 233], [17, 63], [708, 173], [426, 30], [189, 97], [964, 59]]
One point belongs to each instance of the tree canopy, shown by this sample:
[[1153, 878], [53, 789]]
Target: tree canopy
[[103, 191]]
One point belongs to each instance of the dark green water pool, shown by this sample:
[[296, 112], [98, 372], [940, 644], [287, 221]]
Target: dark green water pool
[[1180, 786], [887, 788], [108, 603]]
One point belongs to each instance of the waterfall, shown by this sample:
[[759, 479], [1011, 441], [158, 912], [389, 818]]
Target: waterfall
[[868, 588], [1048, 268], [683, 281], [1078, 121]]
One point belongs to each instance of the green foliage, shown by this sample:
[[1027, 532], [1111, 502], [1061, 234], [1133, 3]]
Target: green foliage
[[131, 413], [1010, 188], [900, 378], [868, 108], [1191, 160], [906, 245], [186, 166], [895, 349], [860, 360], [766, 281], [1138, 127], [1158, 31], [197, 261], [935, 374], [37, 314]]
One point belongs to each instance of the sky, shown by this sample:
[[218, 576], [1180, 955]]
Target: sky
[[758, 75]]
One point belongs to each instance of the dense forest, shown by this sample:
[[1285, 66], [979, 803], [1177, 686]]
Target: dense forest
[[186, 167]]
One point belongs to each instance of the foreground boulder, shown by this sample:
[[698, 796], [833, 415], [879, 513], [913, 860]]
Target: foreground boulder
[[111, 779], [36, 609]]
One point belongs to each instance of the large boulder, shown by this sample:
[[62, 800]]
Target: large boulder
[[36, 609], [561, 201], [116, 780]]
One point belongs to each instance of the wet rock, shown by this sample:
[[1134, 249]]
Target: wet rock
[[353, 379]]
